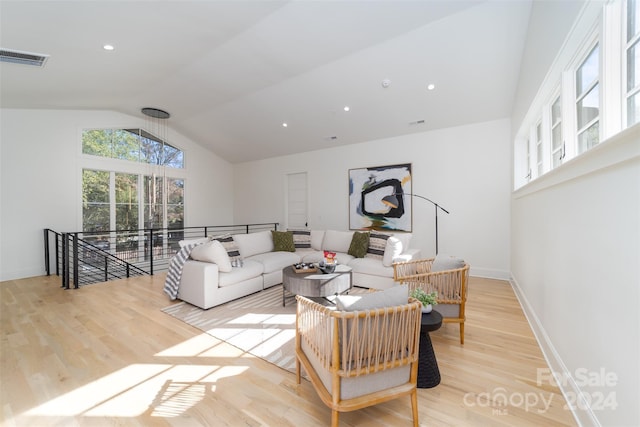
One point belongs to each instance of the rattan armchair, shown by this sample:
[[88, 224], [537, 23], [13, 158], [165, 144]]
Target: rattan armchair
[[356, 359], [450, 284]]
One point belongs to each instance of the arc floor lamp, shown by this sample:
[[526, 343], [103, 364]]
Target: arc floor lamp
[[392, 201]]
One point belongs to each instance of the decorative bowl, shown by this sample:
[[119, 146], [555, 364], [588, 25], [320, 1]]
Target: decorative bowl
[[327, 268]]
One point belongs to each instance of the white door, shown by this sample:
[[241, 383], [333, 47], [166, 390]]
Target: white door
[[297, 200]]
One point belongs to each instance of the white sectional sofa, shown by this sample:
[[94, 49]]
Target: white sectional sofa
[[210, 279]]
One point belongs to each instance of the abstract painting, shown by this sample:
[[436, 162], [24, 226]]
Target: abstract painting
[[380, 198]]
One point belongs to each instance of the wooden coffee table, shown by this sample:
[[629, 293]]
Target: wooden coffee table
[[316, 284]]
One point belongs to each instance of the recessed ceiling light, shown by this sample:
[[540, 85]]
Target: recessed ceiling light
[[108, 47], [347, 108], [431, 87], [284, 125]]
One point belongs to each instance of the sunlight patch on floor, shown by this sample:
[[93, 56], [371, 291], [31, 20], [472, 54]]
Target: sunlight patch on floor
[[137, 389], [192, 347], [265, 318]]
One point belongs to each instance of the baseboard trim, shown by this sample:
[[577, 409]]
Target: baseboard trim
[[582, 412], [489, 273]]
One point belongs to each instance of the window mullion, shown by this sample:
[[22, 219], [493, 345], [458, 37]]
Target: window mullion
[[611, 71]]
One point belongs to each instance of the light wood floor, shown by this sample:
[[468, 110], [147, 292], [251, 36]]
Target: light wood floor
[[106, 355]]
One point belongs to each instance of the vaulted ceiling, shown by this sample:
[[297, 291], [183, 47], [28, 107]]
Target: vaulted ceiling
[[230, 73]]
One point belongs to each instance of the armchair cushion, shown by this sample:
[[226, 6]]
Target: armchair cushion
[[446, 262], [396, 295]]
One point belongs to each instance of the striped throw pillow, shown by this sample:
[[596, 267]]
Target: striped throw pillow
[[301, 239], [377, 245], [230, 246]]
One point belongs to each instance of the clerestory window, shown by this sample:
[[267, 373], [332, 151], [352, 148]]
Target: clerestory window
[[136, 145]]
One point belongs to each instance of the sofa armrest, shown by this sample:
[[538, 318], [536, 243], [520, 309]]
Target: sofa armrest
[[199, 283]]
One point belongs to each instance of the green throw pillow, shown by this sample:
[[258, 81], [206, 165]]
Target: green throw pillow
[[283, 241], [359, 245]]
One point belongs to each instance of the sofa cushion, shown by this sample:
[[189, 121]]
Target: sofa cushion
[[377, 245], [301, 239], [370, 266], [318, 256], [392, 251], [274, 261], [212, 251], [230, 246], [359, 244], [397, 295], [254, 243], [283, 241], [337, 241], [249, 270], [446, 262], [317, 236]]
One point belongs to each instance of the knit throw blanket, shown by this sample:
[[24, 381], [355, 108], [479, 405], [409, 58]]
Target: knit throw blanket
[[172, 282]]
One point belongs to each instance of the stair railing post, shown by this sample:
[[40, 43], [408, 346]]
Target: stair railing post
[[76, 269], [151, 251], [46, 252], [65, 260], [106, 269], [57, 254]]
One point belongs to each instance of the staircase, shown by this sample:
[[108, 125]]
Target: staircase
[[82, 258]]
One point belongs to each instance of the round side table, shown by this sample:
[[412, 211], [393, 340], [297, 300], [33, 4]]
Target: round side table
[[428, 372]]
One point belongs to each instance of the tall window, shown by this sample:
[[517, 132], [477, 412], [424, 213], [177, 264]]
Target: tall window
[[588, 101], [126, 201], [528, 166], [557, 144], [633, 62], [95, 200], [113, 201], [539, 159]]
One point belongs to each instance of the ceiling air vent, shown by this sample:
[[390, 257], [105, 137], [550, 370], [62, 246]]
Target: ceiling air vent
[[26, 58]]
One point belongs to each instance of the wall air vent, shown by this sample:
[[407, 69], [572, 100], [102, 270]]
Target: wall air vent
[[26, 58]]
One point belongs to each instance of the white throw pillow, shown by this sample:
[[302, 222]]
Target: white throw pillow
[[392, 251], [405, 238], [337, 241], [212, 252]]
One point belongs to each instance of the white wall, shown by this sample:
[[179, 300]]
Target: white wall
[[465, 169], [549, 24], [575, 236], [41, 181], [576, 265]]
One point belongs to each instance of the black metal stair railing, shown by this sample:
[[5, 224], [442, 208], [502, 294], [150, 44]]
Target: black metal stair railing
[[81, 258]]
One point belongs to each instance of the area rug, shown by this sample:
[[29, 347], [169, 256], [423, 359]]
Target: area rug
[[257, 324]]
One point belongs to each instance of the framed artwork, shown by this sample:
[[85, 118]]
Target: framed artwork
[[380, 198]]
